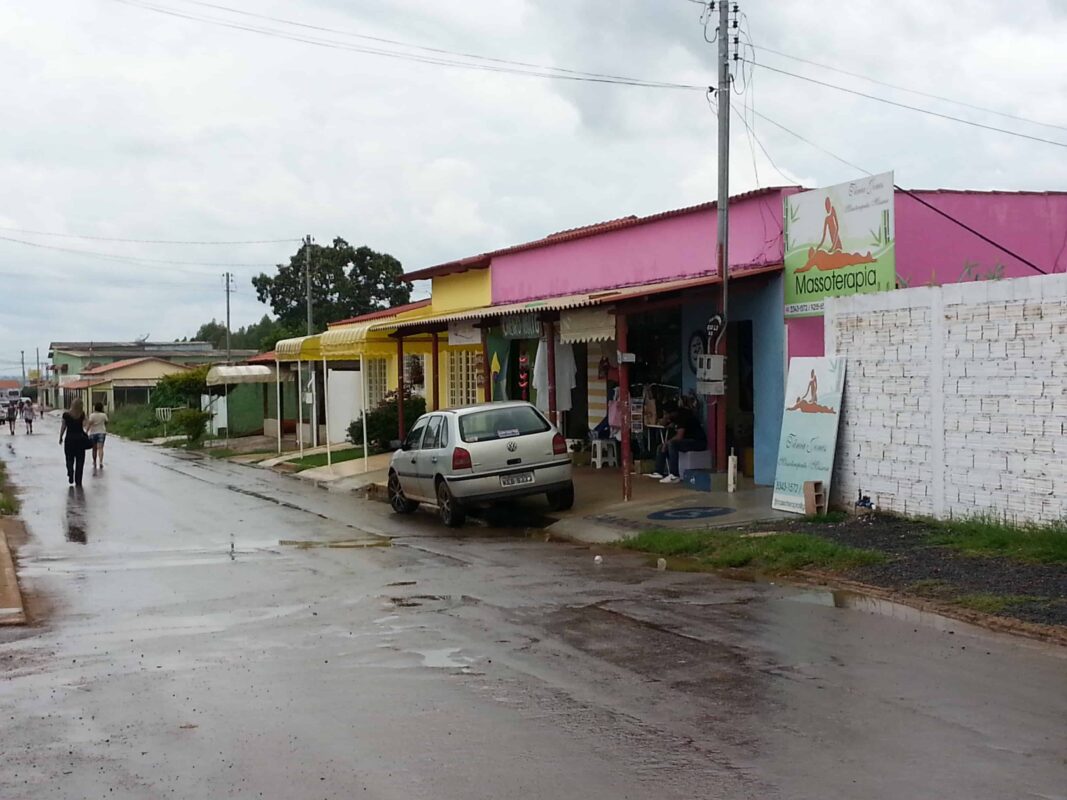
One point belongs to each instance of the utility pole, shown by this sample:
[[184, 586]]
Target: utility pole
[[229, 289], [38, 374], [307, 279], [22, 354], [722, 213]]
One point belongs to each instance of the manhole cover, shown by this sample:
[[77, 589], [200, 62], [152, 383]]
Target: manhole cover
[[693, 512]]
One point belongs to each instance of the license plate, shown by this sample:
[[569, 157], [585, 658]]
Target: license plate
[[516, 479]]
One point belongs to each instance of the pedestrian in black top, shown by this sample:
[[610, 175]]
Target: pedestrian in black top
[[77, 442], [12, 415]]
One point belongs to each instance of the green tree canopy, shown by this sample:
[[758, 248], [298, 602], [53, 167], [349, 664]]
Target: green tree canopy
[[346, 281], [260, 335]]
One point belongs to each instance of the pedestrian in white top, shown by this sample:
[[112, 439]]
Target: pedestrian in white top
[[28, 415], [96, 427]]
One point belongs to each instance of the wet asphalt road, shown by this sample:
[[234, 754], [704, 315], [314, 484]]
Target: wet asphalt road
[[485, 664]]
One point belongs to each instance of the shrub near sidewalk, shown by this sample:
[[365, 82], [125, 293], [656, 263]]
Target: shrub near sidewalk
[[134, 422], [383, 422], [9, 504]]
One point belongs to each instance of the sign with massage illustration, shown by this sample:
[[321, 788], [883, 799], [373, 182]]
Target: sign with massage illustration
[[813, 394], [838, 241]]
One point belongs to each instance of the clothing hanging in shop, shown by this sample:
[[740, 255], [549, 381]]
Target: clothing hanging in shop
[[566, 372]]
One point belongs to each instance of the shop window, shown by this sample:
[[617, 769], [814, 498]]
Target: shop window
[[462, 378], [377, 384]]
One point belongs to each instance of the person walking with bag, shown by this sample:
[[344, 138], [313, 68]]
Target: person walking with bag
[[77, 442], [97, 430]]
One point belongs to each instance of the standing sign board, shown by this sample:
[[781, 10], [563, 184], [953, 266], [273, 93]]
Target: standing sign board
[[839, 241], [813, 394]]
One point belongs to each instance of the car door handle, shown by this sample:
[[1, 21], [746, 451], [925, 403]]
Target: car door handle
[[434, 459]]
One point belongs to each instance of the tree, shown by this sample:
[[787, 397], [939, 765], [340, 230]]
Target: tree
[[346, 281], [260, 335]]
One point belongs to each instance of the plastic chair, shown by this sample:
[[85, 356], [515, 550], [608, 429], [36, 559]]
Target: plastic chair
[[604, 453]]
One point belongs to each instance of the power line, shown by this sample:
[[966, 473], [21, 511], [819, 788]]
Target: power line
[[926, 111], [900, 88], [144, 241], [130, 259], [536, 71], [913, 196]]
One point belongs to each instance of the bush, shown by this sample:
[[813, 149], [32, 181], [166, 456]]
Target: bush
[[134, 422], [382, 421], [180, 390], [191, 422]]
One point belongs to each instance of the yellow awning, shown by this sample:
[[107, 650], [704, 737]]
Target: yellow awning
[[302, 348], [349, 342]]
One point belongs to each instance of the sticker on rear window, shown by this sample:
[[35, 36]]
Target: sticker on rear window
[[507, 433]]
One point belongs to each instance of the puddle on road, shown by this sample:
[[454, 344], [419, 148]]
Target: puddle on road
[[443, 658], [307, 544]]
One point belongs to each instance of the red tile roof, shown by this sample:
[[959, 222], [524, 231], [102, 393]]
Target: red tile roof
[[385, 312], [483, 260], [6, 384], [263, 358], [127, 362], [85, 383]]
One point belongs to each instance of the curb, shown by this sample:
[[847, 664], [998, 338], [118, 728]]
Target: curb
[[12, 610]]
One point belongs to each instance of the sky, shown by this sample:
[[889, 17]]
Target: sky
[[125, 121]]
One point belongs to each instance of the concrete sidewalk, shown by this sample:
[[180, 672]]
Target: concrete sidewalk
[[12, 611]]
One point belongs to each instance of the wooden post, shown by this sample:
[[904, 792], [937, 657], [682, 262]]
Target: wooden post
[[624, 402], [400, 387], [550, 332], [436, 391]]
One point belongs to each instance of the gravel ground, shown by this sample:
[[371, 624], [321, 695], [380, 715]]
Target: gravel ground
[[943, 573]]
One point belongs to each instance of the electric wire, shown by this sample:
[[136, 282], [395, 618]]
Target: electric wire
[[132, 259], [144, 241], [917, 109], [483, 66]]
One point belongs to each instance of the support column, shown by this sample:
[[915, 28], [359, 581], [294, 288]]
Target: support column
[[550, 349], [435, 367], [326, 400], [400, 387], [720, 402], [278, 399], [300, 408], [624, 402], [363, 409], [487, 369]]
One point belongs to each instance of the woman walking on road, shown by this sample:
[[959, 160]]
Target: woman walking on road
[[12, 415], [76, 445], [97, 431], [28, 415]]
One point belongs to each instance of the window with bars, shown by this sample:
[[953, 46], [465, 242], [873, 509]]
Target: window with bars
[[377, 385], [462, 378]]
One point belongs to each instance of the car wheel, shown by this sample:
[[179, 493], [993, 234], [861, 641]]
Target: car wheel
[[397, 498], [452, 513], [561, 499]]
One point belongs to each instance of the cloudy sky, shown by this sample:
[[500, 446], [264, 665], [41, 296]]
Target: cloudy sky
[[126, 122]]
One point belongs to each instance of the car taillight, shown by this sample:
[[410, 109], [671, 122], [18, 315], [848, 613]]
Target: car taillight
[[559, 445], [461, 459]]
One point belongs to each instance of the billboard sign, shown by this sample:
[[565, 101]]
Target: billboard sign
[[838, 241], [813, 394]]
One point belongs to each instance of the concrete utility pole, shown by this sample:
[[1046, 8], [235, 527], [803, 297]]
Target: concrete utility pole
[[307, 279], [229, 289], [722, 213], [22, 354]]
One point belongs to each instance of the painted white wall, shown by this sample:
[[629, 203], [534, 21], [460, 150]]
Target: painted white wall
[[216, 406], [955, 398], [344, 395]]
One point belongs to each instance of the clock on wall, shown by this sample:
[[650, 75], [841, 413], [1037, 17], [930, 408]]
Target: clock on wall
[[696, 348]]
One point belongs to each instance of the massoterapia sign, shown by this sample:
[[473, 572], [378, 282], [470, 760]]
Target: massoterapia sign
[[839, 241]]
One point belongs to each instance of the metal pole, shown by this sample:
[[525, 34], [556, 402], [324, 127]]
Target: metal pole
[[278, 400], [23, 355], [228, 278], [39, 400], [550, 349], [722, 212], [363, 410], [326, 400], [400, 387], [436, 391], [300, 407], [624, 402], [307, 279]]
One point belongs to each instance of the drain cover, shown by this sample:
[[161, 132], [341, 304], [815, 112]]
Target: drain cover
[[692, 512]]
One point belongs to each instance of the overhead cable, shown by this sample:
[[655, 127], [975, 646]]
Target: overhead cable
[[130, 259], [144, 241]]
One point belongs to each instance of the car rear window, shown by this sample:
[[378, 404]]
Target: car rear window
[[501, 423]]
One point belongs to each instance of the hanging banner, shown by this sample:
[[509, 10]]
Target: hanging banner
[[813, 394], [521, 326], [839, 241], [463, 334]]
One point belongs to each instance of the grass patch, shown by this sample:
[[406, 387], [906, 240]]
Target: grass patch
[[319, 459], [784, 552], [994, 603], [985, 536], [829, 518], [932, 588]]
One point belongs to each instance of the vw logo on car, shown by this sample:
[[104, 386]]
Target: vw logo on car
[[512, 447]]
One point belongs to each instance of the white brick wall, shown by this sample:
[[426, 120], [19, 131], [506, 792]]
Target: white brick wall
[[955, 398]]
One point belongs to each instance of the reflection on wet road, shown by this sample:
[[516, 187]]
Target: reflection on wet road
[[182, 650]]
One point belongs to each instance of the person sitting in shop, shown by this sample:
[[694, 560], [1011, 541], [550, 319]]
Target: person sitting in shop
[[688, 436]]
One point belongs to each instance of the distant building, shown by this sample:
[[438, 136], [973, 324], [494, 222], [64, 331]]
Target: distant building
[[72, 362]]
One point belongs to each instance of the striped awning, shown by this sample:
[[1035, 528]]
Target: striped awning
[[241, 373], [301, 348], [595, 324]]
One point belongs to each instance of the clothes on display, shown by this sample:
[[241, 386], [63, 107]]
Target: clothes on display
[[566, 371]]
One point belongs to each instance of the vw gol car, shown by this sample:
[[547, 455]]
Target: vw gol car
[[468, 456]]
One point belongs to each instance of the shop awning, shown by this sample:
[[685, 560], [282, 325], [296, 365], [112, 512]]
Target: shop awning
[[606, 297], [349, 342], [595, 324], [302, 348], [243, 373]]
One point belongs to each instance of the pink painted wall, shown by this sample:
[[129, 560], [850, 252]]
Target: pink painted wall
[[676, 247], [930, 248]]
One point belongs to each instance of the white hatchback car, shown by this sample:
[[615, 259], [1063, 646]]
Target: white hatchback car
[[480, 454]]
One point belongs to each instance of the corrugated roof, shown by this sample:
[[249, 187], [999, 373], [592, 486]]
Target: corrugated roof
[[483, 260], [385, 312]]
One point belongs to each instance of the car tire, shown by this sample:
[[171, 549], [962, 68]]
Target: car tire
[[452, 513], [561, 499], [397, 499]]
